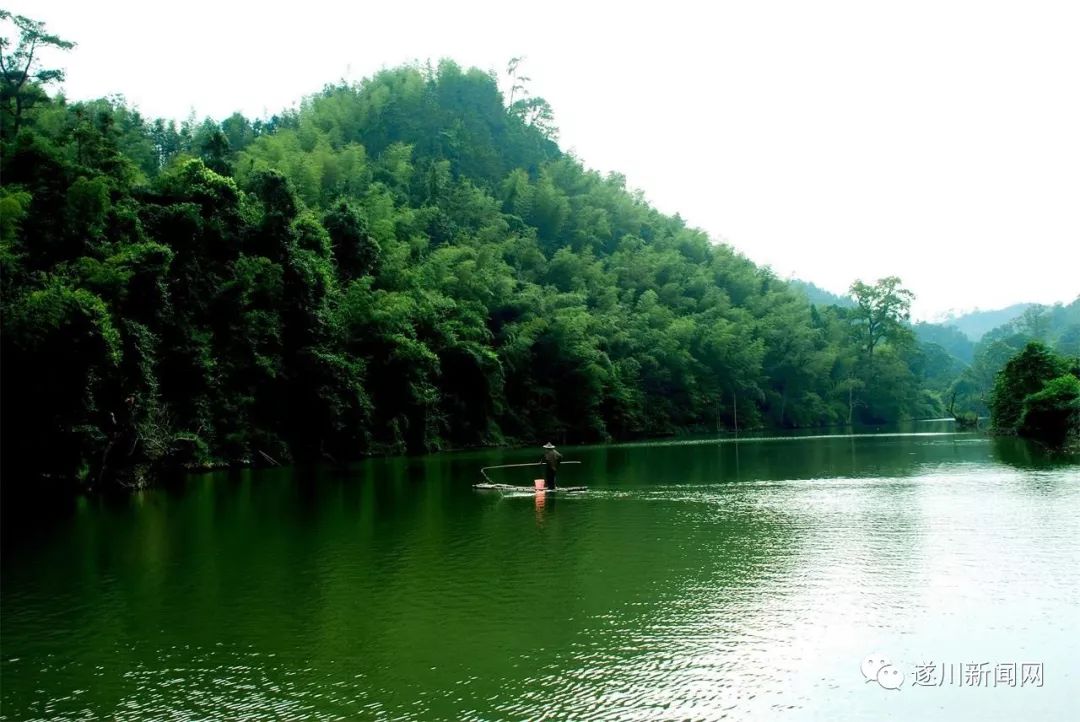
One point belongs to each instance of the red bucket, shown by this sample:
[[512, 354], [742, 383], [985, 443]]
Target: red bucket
[[539, 484]]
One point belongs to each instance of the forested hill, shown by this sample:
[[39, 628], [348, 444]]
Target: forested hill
[[410, 263], [819, 296], [976, 324]]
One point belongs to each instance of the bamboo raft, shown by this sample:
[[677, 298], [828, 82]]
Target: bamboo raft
[[484, 486], [489, 485]]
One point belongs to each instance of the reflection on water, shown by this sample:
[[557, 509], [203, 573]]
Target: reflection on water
[[1027, 455], [744, 579]]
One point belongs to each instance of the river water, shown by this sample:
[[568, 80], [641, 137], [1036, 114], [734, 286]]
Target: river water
[[703, 579]]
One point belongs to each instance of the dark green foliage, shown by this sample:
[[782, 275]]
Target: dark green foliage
[[1024, 376], [60, 348], [356, 252], [1053, 413], [406, 264]]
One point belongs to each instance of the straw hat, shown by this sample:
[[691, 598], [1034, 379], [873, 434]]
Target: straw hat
[[548, 445]]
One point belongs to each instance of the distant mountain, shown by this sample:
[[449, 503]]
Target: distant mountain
[[955, 331], [819, 296], [1057, 326], [975, 324], [950, 338]]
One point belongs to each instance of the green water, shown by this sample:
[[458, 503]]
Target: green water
[[699, 580]]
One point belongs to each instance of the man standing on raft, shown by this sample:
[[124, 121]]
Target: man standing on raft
[[550, 460]]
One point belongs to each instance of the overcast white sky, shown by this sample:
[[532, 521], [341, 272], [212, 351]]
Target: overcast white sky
[[938, 141]]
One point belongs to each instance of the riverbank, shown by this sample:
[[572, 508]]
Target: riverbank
[[142, 476]]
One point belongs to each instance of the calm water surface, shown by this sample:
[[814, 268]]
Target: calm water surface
[[701, 580]]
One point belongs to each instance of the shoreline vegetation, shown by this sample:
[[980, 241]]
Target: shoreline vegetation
[[402, 265]]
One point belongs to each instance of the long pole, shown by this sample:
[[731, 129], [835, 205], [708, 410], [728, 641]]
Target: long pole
[[515, 466], [532, 463]]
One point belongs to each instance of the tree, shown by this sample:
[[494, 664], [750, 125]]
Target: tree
[[213, 147], [537, 113], [22, 79], [886, 353], [533, 111], [880, 312], [517, 82]]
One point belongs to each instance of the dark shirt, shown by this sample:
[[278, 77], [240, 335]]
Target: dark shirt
[[552, 458]]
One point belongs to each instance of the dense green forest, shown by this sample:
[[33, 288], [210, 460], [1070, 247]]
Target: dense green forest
[[1037, 395], [405, 264]]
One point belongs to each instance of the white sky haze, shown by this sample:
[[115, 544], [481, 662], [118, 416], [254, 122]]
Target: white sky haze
[[936, 141]]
